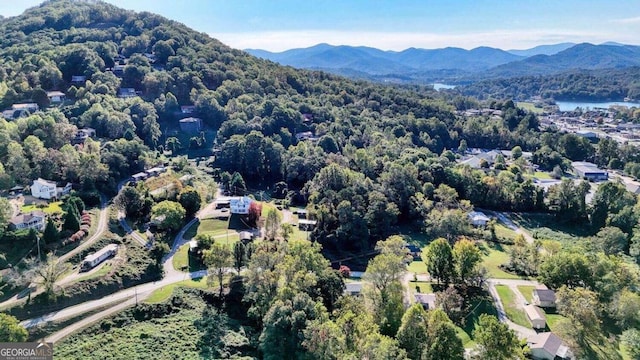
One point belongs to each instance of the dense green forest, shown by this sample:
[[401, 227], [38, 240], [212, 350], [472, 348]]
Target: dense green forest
[[584, 85], [363, 158]]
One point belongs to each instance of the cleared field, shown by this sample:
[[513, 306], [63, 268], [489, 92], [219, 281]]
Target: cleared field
[[492, 257], [417, 267], [529, 106], [52, 208], [165, 292], [420, 287]]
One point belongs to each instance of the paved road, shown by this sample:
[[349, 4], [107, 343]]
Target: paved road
[[129, 230], [521, 331]]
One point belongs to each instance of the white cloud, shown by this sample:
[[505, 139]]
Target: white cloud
[[504, 39], [631, 20]]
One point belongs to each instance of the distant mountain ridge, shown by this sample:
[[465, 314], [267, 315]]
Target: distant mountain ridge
[[420, 65]]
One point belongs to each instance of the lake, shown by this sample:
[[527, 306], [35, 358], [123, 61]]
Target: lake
[[439, 86], [572, 105]]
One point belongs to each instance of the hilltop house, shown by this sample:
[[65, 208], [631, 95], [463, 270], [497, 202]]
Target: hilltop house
[[548, 346], [32, 220], [478, 219], [45, 189], [240, 205], [56, 96]]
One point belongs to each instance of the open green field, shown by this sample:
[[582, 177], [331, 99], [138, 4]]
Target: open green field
[[478, 307], [420, 287], [529, 106], [509, 303], [545, 227], [466, 339], [104, 270], [417, 267], [494, 255], [165, 292], [527, 292], [51, 208]]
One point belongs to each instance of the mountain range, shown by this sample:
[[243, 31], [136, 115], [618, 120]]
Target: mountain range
[[455, 64]]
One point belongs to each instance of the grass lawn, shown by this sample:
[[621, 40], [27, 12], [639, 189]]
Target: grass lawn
[[104, 270], [421, 287], [211, 226], [494, 255], [552, 319], [529, 106], [417, 267], [182, 259], [504, 232], [478, 307], [466, 339], [527, 292], [509, 303], [165, 292], [542, 175], [413, 236], [53, 207]]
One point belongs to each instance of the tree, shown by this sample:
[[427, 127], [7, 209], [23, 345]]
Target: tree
[[451, 303], [205, 241], [218, 259], [272, 224], [611, 240], [439, 259], [495, 340], [324, 340], [516, 152], [169, 215], [330, 286], [631, 340], [71, 218], [51, 233], [190, 200], [239, 256], [5, 214], [466, 256], [11, 330], [568, 269], [583, 310], [442, 342], [412, 334], [237, 185], [46, 273], [625, 308], [284, 325], [384, 272], [255, 211], [131, 201]]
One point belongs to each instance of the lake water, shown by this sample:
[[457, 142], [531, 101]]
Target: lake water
[[439, 86], [572, 105]]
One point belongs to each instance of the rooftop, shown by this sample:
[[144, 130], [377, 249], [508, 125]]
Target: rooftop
[[545, 294]]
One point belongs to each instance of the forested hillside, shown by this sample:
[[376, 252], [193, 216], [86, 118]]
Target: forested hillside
[[386, 141]]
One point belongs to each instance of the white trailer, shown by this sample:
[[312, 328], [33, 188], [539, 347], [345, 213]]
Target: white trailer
[[92, 260]]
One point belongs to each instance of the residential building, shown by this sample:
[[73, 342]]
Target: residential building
[[544, 297], [45, 189], [78, 79], [30, 107], [478, 219], [353, 288], [127, 93], [240, 205], [306, 224], [139, 177], [191, 125], [55, 96], [428, 301], [32, 220], [589, 171], [188, 109], [535, 316], [82, 135], [548, 346]]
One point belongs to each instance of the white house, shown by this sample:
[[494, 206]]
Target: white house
[[45, 189], [548, 346], [536, 316], [55, 96], [478, 219], [544, 297], [240, 205], [353, 288], [32, 220]]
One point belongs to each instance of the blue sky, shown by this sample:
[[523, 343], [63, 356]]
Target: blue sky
[[394, 25]]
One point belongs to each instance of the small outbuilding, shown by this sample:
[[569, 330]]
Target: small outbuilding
[[55, 97], [191, 125], [353, 288], [428, 301], [478, 219], [544, 298], [536, 316]]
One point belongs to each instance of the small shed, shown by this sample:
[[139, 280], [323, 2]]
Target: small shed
[[306, 225], [193, 246], [544, 297], [478, 219], [536, 316]]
